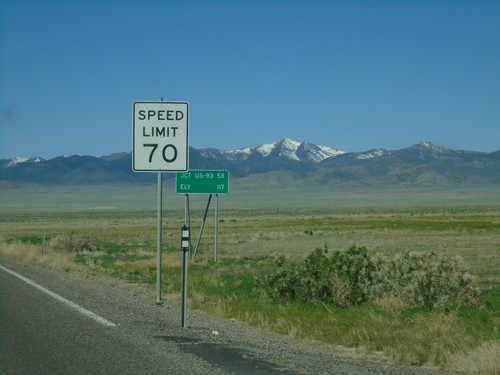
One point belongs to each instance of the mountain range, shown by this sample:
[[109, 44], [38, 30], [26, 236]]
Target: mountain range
[[284, 163]]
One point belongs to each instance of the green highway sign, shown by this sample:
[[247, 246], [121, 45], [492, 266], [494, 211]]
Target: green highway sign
[[202, 182]]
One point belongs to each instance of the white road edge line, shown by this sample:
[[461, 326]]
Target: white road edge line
[[73, 305]]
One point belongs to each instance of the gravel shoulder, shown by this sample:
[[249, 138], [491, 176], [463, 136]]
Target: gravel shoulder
[[209, 345]]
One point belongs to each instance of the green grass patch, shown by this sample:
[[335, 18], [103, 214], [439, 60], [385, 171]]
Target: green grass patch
[[28, 239]]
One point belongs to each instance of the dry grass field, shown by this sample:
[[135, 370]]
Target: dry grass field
[[112, 231]]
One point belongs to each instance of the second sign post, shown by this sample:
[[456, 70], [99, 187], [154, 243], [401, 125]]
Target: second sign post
[[199, 182]]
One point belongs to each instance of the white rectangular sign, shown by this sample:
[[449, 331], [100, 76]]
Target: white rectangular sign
[[160, 137]]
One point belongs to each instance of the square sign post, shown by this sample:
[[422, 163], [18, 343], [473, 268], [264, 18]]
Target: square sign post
[[160, 144]]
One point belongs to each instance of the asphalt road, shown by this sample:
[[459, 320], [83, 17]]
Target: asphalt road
[[42, 332], [40, 335]]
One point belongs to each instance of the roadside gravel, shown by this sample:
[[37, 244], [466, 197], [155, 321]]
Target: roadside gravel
[[209, 345]]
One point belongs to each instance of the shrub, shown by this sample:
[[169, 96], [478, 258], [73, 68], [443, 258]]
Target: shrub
[[356, 268], [282, 283], [343, 279], [352, 278], [69, 244], [428, 280]]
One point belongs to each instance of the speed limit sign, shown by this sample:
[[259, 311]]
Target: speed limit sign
[[160, 137]]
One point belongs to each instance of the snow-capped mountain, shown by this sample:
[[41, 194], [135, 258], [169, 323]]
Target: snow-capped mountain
[[285, 148], [428, 150], [18, 160], [423, 164]]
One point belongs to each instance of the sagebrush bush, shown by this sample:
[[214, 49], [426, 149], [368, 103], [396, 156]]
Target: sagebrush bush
[[281, 284], [342, 279], [427, 280], [353, 277], [69, 244], [356, 268]]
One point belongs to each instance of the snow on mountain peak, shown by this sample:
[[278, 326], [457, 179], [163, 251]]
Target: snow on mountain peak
[[428, 150], [319, 153], [294, 150], [427, 145], [284, 148], [290, 143], [264, 150], [288, 148], [372, 154], [19, 160]]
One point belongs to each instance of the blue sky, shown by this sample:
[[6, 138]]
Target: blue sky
[[354, 75]]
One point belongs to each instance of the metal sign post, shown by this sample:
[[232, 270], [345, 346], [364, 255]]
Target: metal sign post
[[158, 238], [202, 225], [216, 225], [160, 144], [185, 240]]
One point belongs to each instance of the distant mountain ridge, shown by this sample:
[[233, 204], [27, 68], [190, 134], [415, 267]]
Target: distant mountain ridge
[[284, 148], [293, 162]]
